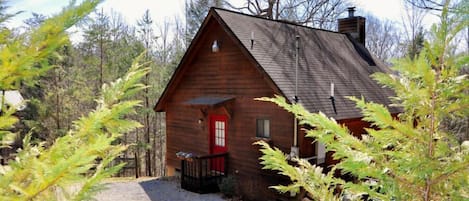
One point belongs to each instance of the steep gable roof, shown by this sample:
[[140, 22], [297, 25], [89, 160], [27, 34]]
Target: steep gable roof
[[324, 57]]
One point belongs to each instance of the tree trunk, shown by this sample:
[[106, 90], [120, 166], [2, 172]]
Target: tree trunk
[[101, 55], [162, 118], [147, 130], [155, 165], [137, 155], [57, 100], [137, 167]]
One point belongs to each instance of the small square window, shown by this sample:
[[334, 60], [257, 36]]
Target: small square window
[[263, 128]]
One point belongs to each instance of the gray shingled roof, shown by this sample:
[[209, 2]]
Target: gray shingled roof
[[325, 57]]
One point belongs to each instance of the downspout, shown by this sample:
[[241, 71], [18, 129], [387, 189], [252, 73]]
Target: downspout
[[295, 152], [295, 129]]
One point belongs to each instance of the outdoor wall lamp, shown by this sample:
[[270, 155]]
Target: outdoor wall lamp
[[215, 47]]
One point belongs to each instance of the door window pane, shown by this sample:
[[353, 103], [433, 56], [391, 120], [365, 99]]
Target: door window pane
[[220, 133]]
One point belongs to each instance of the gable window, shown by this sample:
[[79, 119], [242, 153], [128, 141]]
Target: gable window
[[263, 128]]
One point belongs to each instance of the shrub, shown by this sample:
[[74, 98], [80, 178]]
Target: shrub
[[228, 186]]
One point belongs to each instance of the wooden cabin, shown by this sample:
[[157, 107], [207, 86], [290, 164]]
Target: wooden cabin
[[212, 119]]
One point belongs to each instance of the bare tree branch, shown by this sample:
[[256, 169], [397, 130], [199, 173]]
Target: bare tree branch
[[315, 13]]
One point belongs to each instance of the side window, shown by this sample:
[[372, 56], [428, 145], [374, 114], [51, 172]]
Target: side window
[[263, 128]]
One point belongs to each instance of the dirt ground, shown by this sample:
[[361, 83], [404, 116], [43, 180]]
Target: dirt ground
[[150, 189]]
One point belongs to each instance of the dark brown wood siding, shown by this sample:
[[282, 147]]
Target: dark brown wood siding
[[356, 127], [228, 72]]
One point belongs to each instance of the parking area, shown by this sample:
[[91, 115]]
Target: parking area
[[151, 189]]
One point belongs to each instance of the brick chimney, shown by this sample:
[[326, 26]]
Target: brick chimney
[[353, 25]]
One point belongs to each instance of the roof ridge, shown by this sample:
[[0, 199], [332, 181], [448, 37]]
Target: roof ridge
[[272, 20]]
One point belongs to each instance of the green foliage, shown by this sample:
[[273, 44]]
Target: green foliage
[[6, 121], [24, 57], [228, 186], [411, 157], [73, 165], [23, 53], [304, 175], [80, 158], [416, 44]]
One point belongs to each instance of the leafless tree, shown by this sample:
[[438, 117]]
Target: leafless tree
[[163, 41], [264, 8], [458, 126], [314, 13], [455, 6], [383, 38], [435, 5], [412, 23], [145, 27]]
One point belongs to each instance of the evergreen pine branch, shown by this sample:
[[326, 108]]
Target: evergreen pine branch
[[72, 167], [408, 157], [83, 151]]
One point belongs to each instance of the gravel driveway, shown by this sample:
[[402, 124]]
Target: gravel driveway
[[151, 190]]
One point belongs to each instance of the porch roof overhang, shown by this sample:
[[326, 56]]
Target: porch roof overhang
[[210, 101]]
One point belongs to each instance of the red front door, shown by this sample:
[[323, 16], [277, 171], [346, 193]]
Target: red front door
[[218, 134], [218, 130]]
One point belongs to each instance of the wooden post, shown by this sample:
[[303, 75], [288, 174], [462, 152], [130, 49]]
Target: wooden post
[[183, 172], [137, 174]]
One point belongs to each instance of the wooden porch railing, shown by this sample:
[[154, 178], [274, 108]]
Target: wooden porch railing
[[202, 174]]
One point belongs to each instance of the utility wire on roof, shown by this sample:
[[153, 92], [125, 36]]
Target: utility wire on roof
[[297, 49]]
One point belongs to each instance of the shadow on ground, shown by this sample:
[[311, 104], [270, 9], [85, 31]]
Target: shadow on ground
[[170, 190], [150, 189]]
